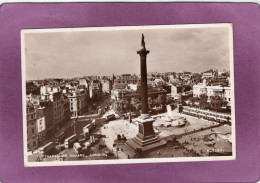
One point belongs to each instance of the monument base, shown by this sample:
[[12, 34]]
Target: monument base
[[155, 144], [146, 138]]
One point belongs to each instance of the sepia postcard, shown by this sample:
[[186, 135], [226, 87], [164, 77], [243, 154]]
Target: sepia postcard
[[130, 94]]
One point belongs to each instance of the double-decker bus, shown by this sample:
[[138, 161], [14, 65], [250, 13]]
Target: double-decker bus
[[70, 141], [47, 148]]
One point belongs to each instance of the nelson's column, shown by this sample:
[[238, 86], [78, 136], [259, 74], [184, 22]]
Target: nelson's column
[[145, 138]]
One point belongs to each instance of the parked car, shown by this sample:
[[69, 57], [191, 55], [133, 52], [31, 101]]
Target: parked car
[[99, 135], [101, 146], [111, 117], [108, 154]]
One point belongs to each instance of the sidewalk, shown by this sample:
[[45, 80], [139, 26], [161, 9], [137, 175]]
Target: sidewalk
[[119, 127]]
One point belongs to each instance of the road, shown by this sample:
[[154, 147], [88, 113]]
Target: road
[[70, 129]]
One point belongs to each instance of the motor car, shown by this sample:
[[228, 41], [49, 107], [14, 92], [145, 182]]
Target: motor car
[[108, 154], [101, 146], [99, 135], [111, 117]]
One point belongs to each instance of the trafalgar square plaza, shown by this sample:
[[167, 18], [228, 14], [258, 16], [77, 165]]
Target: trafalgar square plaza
[[147, 116]]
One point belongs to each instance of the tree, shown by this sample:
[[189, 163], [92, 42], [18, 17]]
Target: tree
[[203, 101], [180, 99], [136, 104], [197, 77], [125, 106], [161, 101], [193, 100], [121, 106], [186, 88], [117, 106], [150, 103], [169, 100], [32, 88], [217, 102]]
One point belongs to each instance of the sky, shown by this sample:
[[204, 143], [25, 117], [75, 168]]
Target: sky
[[80, 53]]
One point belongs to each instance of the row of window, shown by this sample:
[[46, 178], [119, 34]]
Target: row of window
[[72, 108], [59, 118], [132, 81], [57, 114], [58, 103], [206, 113], [74, 99], [29, 146], [32, 131], [227, 99], [58, 108], [31, 117]]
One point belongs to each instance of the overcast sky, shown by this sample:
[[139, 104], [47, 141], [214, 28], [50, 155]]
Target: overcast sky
[[74, 54]]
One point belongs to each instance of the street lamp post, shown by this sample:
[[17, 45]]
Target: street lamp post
[[75, 122], [130, 117]]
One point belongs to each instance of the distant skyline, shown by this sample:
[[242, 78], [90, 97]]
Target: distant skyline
[[82, 53]]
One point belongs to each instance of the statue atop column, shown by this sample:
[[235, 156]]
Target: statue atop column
[[143, 43]]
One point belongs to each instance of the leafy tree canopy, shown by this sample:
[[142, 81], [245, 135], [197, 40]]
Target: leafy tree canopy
[[32, 88]]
